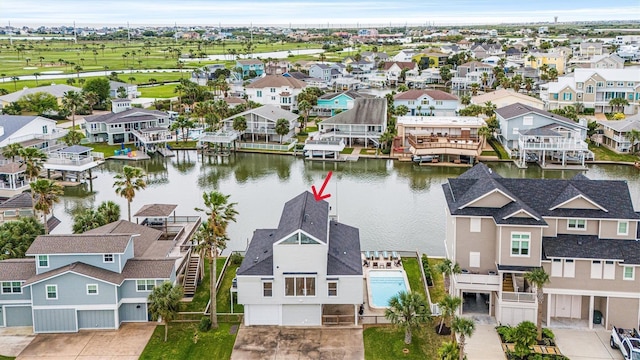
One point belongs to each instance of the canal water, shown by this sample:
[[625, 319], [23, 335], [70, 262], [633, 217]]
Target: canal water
[[396, 206]]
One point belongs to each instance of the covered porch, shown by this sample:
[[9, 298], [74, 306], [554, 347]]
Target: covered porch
[[340, 314], [220, 142], [323, 149], [13, 179], [552, 145], [74, 162]]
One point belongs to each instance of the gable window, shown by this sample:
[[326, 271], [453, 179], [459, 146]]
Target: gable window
[[332, 288], [567, 96], [43, 261], [623, 228], [628, 273], [52, 292], [92, 289], [569, 268], [108, 258], [11, 287], [145, 285], [267, 289], [579, 85], [425, 102], [556, 268], [577, 224], [475, 225], [596, 269], [527, 120], [300, 286], [520, 244], [600, 84]]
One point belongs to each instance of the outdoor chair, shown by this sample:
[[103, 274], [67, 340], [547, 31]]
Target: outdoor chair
[[388, 264]]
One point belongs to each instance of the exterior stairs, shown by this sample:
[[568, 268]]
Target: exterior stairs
[[191, 278], [507, 283]]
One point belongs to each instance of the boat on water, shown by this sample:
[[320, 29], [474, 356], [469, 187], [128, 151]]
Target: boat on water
[[319, 154], [423, 158]]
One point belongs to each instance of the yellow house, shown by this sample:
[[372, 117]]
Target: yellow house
[[552, 60], [439, 59]]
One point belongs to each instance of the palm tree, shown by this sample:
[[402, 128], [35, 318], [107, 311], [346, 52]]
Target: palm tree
[[282, 127], [87, 219], [489, 108], [72, 100], [47, 193], [164, 302], [485, 132], [528, 84], [634, 138], [465, 99], [33, 160], [240, 125], [474, 88], [304, 106], [15, 82], [531, 59], [72, 138], [408, 311], [128, 182], [401, 110], [183, 123], [36, 74], [11, 151], [465, 328], [212, 237], [448, 307], [538, 277], [618, 103], [448, 351], [110, 210], [448, 268]]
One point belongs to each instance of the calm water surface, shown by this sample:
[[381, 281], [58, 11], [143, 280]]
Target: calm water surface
[[396, 206]]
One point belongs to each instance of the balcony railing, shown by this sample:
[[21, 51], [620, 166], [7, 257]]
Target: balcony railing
[[522, 297], [479, 279], [451, 144], [553, 145]]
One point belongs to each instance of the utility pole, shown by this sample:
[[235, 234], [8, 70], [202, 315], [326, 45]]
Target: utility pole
[[75, 33]]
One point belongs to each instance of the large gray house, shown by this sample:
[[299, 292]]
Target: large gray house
[[84, 281]]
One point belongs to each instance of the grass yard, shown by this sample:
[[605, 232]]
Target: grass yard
[[604, 154], [437, 290], [181, 344], [6, 357], [489, 153], [347, 151], [223, 296], [201, 297], [160, 91], [387, 342], [497, 147], [411, 266], [106, 149]]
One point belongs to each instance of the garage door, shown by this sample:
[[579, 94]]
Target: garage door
[[55, 320], [96, 319], [18, 315], [514, 316], [301, 315], [133, 312], [262, 314]]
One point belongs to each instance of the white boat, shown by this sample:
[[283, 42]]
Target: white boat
[[423, 158]]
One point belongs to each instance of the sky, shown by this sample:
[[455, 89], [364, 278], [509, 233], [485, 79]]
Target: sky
[[309, 12]]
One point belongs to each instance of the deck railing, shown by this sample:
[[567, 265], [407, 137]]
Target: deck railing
[[522, 297], [479, 279]]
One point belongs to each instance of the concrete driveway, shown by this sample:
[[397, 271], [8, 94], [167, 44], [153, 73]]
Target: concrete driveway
[[127, 343], [288, 343], [14, 339], [585, 344], [484, 344]]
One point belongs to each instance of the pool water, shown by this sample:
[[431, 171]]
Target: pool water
[[385, 284]]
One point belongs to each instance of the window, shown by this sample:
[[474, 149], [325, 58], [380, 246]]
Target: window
[[579, 85], [609, 271], [273, 98], [438, 102], [628, 273], [556, 268], [272, 90], [52, 292], [609, 83], [267, 289], [567, 96], [589, 89], [577, 224], [623, 228], [332, 288], [630, 84], [92, 289], [476, 225], [474, 259], [569, 268], [527, 120], [145, 285], [520, 244], [620, 83], [412, 102], [11, 287], [425, 102], [599, 84], [300, 286], [43, 261], [45, 129], [596, 269], [259, 93], [108, 258], [516, 131]]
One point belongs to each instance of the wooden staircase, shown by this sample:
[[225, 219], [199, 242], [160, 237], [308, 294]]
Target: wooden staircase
[[507, 283], [191, 278]]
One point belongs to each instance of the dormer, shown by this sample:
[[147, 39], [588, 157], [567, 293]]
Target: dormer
[[495, 198], [572, 198], [120, 105]]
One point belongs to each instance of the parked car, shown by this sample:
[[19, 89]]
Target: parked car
[[628, 341]]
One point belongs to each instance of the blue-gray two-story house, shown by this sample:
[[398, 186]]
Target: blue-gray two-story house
[[94, 280]]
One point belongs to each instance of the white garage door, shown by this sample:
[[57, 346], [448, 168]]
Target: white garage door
[[514, 316], [301, 315], [262, 315]]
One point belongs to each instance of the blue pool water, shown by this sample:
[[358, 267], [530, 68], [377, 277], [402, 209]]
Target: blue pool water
[[383, 285]]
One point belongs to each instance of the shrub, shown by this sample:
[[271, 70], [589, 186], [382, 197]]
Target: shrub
[[235, 258], [547, 333], [303, 133], [427, 270], [506, 333], [589, 111], [205, 324], [386, 151]]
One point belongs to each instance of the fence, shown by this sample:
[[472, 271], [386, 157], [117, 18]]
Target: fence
[[272, 147]]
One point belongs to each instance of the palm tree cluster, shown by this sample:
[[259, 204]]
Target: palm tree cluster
[[85, 219]]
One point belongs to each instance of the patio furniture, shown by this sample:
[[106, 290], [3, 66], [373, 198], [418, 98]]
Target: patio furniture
[[394, 254], [385, 255], [376, 255], [388, 264], [375, 264]]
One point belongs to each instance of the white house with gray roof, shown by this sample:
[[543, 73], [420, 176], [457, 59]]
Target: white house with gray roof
[[364, 123], [95, 280], [57, 90], [261, 123], [299, 273], [35, 131]]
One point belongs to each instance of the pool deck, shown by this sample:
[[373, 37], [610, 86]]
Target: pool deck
[[373, 314]]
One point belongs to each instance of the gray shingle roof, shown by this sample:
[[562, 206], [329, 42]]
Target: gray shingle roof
[[344, 250], [19, 201], [269, 112], [517, 109], [305, 213], [259, 257], [350, 93], [148, 236], [76, 149], [156, 210], [364, 111], [130, 115], [82, 269], [79, 244], [148, 269], [57, 90], [17, 269], [13, 123], [625, 125], [591, 247]]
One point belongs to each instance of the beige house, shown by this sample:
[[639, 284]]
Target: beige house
[[502, 98], [583, 232], [614, 134]]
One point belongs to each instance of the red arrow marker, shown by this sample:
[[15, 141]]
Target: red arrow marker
[[318, 195]]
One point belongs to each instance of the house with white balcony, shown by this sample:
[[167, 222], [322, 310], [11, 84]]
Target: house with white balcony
[[614, 134], [276, 90], [30, 131], [73, 162], [584, 233], [305, 272], [363, 124], [427, 102], [261, 125]]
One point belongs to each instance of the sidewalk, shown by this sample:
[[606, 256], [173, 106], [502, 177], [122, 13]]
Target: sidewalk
[[484, 344]]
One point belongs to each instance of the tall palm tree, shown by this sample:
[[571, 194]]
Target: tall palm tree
[[110, 210], [474, 88], [538, 277], [634, 138], [47, 193], [164, 302], [87, 219], [72, 100], [448, 307], [128, 182], [618, 103], [33, 160], [11, 151], [304, 106], [465, 328], [282, 127], [485, 132], [212, 237], [408, 310], [448, 268], [240, 125], [465, 99], [489, 108]]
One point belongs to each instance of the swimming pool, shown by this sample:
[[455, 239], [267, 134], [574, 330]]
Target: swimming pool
[[384, 284]]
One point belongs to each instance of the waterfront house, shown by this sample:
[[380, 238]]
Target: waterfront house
[[614, 134], [19, 206], [250, 66], [504, 97], [57, 90], [330, 103], [363, 124], [584, 233], [29, 131], [261, 124], [84, 281], [74, 162], [277, 90], [321, 71], [427, 102], [302, 271], [472, 73], [394, 70]]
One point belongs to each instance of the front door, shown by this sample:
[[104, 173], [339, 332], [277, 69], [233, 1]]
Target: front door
[[568, 306]]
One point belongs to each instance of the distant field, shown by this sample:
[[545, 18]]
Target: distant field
[[161, 91]]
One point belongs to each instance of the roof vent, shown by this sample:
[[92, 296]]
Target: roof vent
[[579, 242], [256, 259], [305, 217]]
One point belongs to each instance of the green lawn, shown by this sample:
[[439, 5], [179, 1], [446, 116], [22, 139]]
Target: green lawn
[[223, 297], [6, 357], [347, 151], [105, 148], [181, 344], [604, 154], [201, 297], [437, 290], [489, 153], [497, 147], [160, 91], [387, 342], [411, 267]]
